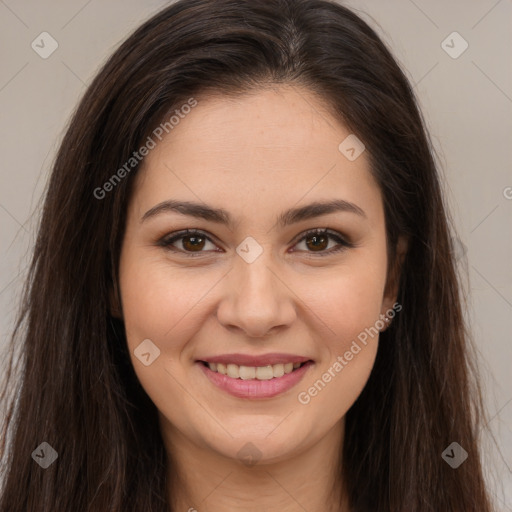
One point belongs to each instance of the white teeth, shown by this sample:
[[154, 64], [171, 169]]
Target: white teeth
[[253, 372], [247, 372], [233, 371], [264, 372], [278, 370]]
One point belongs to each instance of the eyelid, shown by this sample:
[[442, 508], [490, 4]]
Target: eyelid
[[343, 241], [167, 241]]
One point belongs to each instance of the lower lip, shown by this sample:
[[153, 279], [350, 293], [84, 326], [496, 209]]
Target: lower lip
[[254, 388]]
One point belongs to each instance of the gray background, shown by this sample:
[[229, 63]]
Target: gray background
[[466, 101]]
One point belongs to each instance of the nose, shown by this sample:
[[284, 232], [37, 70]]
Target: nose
[[256, 300]]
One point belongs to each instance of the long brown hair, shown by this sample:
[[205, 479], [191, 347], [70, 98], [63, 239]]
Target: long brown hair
[[77, 389]]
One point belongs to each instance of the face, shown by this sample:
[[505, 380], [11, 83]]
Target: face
[[252, 291]]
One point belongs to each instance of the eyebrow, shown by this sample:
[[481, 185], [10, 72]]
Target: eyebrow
[[221, 216]]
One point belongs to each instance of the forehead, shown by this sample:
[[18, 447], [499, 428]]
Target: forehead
[[264, 145], [259, 122]]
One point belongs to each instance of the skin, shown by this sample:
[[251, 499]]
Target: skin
[[255, 156]]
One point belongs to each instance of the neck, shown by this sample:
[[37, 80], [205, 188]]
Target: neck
[[204, 480]]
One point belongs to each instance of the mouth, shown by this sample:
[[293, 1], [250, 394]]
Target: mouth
[[242, 372], [257, 380]]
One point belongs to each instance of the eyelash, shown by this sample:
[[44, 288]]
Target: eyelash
[[167, 241]]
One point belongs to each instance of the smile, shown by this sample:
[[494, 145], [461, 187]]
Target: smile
[[257, 380], [268, 372]]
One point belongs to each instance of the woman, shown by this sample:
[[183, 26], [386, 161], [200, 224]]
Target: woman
[[243, 294]]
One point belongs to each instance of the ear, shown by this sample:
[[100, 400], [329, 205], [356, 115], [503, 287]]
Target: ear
[[393, 279], [114, 298]]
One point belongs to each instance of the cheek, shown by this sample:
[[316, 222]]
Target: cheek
[[347, 307], [345, 300], [159, 303], [348, 349]]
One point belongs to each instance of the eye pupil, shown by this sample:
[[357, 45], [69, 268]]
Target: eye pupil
[[316, 244], [195, 244]]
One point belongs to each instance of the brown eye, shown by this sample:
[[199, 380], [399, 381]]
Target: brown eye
[[317, 241], [192, 242]]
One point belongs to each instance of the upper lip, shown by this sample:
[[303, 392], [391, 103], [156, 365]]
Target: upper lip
[[261, 360]]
